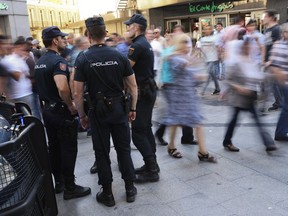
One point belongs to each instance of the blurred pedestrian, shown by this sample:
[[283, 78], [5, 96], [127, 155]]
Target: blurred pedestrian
[[183, 102], [279, 67], [242, 79]]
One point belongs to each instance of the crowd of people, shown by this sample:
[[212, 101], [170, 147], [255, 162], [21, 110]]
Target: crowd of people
[[107, 84]]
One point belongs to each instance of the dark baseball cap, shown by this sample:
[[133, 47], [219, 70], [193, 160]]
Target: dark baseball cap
[[94, 21], [137, 18], [52, 32]]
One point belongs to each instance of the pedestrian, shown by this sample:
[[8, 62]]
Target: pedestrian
[[105, 72], [19, 83], [141, 58], [182, 99], [187, 137], [52, 78], [272, 34], [242, 78], [209, 47], [279, 67]]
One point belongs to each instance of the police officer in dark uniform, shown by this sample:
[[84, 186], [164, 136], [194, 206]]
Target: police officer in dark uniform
[[105, 71], [141, 58], [52, 78]]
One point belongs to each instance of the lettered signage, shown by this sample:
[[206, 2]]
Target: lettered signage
[[3, 6], [210, 7]]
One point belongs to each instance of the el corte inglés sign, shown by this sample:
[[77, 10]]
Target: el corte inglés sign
[[210, 7], [3, 6]]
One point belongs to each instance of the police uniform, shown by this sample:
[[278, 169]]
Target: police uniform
[[107, 114], [141, 53], [61, 126]]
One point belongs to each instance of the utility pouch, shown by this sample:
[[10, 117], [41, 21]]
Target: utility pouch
[[127, 102]]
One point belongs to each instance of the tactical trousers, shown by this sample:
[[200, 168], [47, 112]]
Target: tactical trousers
[[114, 123], [61, 130], [142, 134]]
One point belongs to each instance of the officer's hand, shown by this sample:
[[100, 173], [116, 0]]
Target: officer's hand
[[84, 122], [131, 116]]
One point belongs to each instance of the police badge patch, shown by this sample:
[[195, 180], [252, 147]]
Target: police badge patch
[[63, 66], [131, 51]]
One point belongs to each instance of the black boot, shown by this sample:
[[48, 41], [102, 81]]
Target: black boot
[[94, 169], [59, 184], [105, 196], [72, 190], [142, 169], [131, 191], [151, 173]]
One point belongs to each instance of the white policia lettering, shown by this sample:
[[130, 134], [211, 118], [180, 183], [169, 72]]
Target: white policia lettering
[[40, 66], [102, 64]]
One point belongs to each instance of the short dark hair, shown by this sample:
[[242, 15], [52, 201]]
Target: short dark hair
[[97, 32], [179, 26], [142, 28], [47, 42], [272, 13], [219, 24]]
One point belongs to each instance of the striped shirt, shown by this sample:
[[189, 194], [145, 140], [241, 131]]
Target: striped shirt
[[279, 55]]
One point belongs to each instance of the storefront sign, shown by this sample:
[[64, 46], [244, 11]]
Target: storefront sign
[[3, 6], [210, 7]]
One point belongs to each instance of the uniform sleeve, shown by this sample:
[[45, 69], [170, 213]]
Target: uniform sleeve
[[134, 52], [61, 67], [79, 69]]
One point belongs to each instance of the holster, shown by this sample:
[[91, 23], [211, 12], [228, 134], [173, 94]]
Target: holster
[[147, 88], [127, 102]]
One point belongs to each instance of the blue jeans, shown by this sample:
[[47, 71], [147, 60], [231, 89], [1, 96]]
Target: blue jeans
[[212, 76], [282, 125], [217, 70]]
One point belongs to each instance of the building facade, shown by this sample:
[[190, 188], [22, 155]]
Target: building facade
[[44, 13], [14, 19]]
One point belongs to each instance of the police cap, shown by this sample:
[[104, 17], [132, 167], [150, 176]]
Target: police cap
[[52, 32], [137, 18], [94, 21]]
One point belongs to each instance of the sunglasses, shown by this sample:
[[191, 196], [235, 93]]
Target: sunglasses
[[155, 32]]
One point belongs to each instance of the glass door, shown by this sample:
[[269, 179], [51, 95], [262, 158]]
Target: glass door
[[171, 23], [221, 19], [204, 21]]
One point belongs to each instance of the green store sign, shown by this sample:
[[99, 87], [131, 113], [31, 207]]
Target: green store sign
[[3, 6], [211, 7]]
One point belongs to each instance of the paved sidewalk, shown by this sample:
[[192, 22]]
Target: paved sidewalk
[[249, 182]]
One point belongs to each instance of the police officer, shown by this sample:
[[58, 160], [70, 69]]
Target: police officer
[[141, 59], [52, 78], [105, 72]]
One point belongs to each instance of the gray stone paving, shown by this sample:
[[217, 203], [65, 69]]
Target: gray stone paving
[[248, 183]]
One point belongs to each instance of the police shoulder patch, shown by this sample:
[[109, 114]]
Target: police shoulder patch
[[63, 66], [131, 51]]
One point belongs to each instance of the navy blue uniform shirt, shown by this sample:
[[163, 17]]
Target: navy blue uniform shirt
[[111, 66], [141, 53], [49, 65]]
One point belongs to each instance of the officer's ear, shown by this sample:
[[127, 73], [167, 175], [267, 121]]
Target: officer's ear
[[55, 41]]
